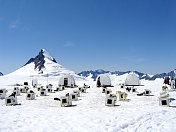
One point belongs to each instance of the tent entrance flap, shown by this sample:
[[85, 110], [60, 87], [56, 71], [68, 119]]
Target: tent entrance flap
[[98, 82], [65, 81]]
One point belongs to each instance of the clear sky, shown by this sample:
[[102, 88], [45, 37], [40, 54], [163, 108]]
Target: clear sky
[[90, 34]]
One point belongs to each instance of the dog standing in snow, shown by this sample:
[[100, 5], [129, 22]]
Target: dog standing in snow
[[164, 88]]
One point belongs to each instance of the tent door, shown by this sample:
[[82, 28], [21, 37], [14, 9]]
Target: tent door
[[65, 81], [98, 82]]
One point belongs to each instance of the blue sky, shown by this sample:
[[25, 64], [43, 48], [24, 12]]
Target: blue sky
[[90, 34]]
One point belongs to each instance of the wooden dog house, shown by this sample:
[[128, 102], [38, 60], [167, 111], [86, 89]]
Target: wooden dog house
[[164, 102], [74, 96], [30, 95], [65, 101], [110, 101]]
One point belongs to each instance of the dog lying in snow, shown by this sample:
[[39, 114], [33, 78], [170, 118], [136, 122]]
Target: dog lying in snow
[[141, 94], [117, 92], [164, 95]]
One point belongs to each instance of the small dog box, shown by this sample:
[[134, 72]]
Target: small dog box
[[16, 91], [110, 101], [74, 97], [164, 102], [35, 83], [65, 101], [147, 92], [77, 92], [26, 83], [30, 96], [43, 92], [9, 101], [3, 93], [83, 90]]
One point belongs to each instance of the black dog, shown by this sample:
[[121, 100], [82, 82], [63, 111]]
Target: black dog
[[128, 89], [13, 94]]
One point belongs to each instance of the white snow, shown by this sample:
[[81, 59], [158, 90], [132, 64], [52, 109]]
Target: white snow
[[140, 113], [47, 55], [89, 113]]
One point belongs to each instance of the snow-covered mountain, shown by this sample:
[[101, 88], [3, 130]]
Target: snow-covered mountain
[[44, 65], [141, 75], [1, 74], [119, 73], [95, 73], [162, 75]]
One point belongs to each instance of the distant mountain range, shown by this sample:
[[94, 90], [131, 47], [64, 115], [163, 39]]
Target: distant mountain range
[[45, 65], [141, 75], [1, 74]]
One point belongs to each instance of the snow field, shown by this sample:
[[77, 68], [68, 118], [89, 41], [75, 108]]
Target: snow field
[[89, 113]]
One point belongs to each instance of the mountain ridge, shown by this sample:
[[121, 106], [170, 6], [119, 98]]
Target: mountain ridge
[[1, 74], [145, 76], [39, 60]]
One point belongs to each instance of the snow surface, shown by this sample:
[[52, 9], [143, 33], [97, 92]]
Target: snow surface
[[139, 113], [89, 113]]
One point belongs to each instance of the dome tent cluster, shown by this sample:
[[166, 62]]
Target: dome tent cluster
[[104, 80]]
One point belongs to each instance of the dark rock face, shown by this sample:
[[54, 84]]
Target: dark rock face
[[39, 61], [1, 74]]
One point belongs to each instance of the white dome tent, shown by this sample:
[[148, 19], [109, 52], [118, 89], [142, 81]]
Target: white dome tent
[[132, 80], [67, 81], [103, 80]]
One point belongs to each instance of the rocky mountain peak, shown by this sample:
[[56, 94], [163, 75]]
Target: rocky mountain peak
[[39, 60]]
